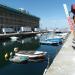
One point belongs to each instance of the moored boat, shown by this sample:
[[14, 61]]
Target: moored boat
[[32, 55], [14, 38], [52, 41]]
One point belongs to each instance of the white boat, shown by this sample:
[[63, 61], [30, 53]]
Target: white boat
[[14, 38], [33, 55], [39, 35], [62, 35], [52, 41]]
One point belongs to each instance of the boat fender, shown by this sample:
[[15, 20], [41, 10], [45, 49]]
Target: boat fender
[[6, 56], [16, 49], [12, 54]]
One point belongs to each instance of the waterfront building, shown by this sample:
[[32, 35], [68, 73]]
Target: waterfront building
[[17, 18]]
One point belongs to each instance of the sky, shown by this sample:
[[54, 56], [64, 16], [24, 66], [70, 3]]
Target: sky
[[50, 12]]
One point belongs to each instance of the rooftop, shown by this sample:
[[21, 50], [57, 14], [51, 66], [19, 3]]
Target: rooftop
[[17, 11]]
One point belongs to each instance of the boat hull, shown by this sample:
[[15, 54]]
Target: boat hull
[[52, 41], [18, 59], [32, 55]]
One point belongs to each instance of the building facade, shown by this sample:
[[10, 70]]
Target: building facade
[[13, 18]]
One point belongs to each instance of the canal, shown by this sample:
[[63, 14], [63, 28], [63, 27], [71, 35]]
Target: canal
[[30, 68]]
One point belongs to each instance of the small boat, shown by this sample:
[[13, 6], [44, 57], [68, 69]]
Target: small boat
[[13, 38], [52, 41], [19, 59], [32, 55], [63, 35], [39, 35]]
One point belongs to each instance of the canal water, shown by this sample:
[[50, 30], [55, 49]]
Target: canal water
[[30, 68]]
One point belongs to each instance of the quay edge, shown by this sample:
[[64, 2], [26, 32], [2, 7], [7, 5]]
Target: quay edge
[[7, 35]]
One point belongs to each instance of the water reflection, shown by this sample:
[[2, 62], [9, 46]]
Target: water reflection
[[25, 40], [7, 43], [25, 43]]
